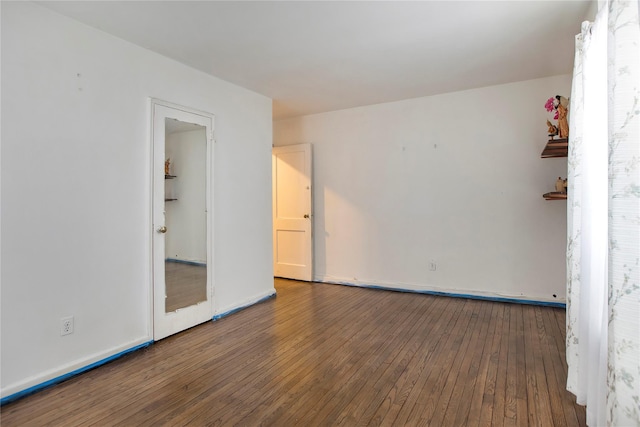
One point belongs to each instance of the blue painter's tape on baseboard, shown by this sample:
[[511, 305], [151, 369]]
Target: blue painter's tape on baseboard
[[456, 295], [182, 261], [38, 387], [235, 310]]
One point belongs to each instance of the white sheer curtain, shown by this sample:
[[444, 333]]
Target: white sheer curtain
[[603, 241], [587, 207]]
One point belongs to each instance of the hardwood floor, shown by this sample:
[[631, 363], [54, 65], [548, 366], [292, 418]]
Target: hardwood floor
[[325, 355]]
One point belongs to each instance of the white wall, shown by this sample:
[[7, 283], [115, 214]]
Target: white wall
[[186, 218], [455, 179], [76, 191]]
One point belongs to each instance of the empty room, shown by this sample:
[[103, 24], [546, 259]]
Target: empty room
[[320, 213]]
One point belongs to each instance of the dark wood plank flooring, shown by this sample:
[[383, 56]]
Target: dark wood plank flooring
[[327, 355]]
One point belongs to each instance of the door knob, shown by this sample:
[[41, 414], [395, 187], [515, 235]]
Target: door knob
[[162, 229], [306, 215]]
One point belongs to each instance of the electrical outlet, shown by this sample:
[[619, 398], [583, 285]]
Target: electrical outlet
[[433, 266], [66, 325]]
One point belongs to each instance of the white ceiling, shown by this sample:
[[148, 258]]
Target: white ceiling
[[316, 56]]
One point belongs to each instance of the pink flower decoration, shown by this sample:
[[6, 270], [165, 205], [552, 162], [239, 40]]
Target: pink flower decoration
[[549, 105]]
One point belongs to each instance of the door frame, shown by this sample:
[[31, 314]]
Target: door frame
[[209, 196]]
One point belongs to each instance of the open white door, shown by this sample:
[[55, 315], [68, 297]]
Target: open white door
[[292, 212], [181, 218]]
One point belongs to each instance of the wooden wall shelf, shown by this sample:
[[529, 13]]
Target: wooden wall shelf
[[554, 195], [167, 176], [556, 148]]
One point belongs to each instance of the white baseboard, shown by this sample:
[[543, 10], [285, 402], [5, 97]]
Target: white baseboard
[[426, 289]]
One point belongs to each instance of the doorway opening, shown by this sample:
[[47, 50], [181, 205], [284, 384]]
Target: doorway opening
[[292, 212]]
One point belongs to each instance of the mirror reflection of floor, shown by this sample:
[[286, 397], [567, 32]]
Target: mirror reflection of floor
[[186, 285]]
